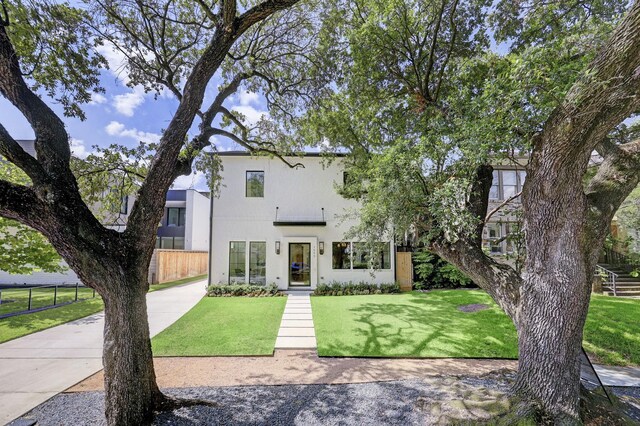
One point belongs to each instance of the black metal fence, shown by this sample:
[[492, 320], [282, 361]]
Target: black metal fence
[[19, 300]]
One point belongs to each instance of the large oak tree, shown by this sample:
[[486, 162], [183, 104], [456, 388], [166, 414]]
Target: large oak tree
[[425, 107], [173, 45]]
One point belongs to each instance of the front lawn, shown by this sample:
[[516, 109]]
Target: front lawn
[[612, 332], [21, 325], [224, 326], [431, 325], [169, 284], [16, 299], [412, 325]]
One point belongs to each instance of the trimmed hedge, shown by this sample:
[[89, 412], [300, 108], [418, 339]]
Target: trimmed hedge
[[351, 289], [229, 290]]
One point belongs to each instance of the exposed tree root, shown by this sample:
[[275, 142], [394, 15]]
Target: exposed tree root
[[164, 402]]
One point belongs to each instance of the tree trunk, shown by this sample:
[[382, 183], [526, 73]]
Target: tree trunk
[[129, 376], [555, 290], [552, 316]]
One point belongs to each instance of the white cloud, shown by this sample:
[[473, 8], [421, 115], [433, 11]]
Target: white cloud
[[97, 98], [115, 128], [194, 180], [127, 103], [247, 98], [251, 115], [116, 60], [78, 149]]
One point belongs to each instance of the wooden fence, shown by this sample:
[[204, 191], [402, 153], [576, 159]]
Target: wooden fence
[[169, 265], [404, 270]]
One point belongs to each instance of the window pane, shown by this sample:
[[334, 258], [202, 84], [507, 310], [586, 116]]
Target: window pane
[[178, 243], [173, 217], [183, 217], [383, 256], [341, 255], [257, 262], [166, 243], [508, 177], [124, 206], [523, 176], [255, 184], [494, 193], [237, 258], [157, 242], [360, 256], [509, 191]]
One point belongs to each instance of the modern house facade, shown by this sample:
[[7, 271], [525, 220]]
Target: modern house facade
[[184, 225], [275, 224]]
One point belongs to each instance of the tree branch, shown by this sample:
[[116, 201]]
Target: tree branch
[[12, 151], [52, 141]]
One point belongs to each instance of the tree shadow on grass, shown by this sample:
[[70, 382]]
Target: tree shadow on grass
[[420, 326]]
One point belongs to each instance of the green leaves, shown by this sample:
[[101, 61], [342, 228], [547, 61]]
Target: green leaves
[[23, 250], [56, 49]]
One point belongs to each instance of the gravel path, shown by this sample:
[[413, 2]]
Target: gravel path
[[435, 400]]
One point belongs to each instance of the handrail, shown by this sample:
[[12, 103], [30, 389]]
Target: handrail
[[612, 276], [613, 257]]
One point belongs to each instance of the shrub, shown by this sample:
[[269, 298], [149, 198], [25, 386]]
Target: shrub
[[350, 289], [228, 290], [433, 272]]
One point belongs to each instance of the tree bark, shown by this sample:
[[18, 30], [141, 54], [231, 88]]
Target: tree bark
[[130, 382]]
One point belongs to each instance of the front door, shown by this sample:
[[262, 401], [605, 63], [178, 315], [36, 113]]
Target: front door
[[300, 264]]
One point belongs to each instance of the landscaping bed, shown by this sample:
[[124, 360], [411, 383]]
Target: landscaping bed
[[224, 326]]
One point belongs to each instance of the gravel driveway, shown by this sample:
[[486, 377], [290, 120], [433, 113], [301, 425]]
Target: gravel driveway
[[435, 400]]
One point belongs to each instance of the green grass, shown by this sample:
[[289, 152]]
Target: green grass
[[17, 299], [21, 325], [412, 325], [430, 325], [224, 326], [162, 286], [612, 331]]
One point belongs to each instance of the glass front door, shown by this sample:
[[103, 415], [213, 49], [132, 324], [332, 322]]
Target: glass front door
[[300, 264]]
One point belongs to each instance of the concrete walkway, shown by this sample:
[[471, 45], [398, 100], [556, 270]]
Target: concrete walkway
[[296, 329], [618, 376], [38, 366]]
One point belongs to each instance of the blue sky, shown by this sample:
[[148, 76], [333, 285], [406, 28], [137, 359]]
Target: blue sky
[[125, 116]]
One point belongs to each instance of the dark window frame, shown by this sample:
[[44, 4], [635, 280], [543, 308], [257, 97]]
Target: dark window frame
[[246, 184], [180, 216]]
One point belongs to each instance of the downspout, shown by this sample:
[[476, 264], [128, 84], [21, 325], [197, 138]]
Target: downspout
[[210, 238]]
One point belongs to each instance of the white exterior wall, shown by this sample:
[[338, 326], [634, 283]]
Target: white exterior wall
[[196, 234], [300, 194]]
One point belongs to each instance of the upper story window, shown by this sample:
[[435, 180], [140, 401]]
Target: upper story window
[[506, 184], [255, 183], [176, 216]]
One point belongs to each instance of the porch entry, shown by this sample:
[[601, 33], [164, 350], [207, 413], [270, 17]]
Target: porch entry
[[300, 264]]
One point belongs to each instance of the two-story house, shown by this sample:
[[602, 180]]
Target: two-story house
[[276, 224]]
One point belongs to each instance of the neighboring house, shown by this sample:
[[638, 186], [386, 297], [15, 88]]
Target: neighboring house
[[185, 223], [184, 226], [275, 224], [501, 230]]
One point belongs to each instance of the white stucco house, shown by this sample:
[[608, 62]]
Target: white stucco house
[[275, 224]]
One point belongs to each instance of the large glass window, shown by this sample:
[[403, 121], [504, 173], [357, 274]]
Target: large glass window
[[341, 253], [176, 216], [257, 262], [348, 255], [506, 184], [178, 243], [237, 264], [255, 184], [500, 237], [494, 193]]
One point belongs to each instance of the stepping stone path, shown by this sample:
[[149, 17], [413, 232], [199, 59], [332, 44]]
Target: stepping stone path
[[296, 329]]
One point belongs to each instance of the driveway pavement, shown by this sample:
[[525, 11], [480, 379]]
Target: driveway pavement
[[38, 366]]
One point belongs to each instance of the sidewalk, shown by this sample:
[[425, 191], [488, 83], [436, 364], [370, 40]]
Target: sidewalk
[[38, 366]]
